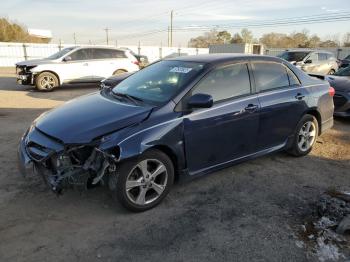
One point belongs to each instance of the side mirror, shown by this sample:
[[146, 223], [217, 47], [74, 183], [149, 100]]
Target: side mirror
[[309, 61], [200, 101], [67, 58]]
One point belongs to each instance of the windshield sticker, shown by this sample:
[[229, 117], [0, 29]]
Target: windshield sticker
[[181, 70]]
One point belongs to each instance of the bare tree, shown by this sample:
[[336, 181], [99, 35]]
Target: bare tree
[[346, 40], [247, 35]]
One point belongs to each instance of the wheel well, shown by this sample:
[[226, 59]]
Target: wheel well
[[317, 115], [120, 69], [169, 152], [48, 71]]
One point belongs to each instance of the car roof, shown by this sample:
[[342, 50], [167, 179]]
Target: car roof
[[222, 58], [308, 50], [101, 47]]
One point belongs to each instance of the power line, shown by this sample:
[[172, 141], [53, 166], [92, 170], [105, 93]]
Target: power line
[[276, 22]]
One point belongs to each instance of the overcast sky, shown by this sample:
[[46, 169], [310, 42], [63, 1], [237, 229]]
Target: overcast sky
[[128, 20]]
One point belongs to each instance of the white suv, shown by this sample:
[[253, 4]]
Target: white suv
[[75, 65]]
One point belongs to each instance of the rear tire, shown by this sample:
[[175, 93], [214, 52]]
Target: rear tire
[[119, 72], [142, 183], [46, 81], [305, 136], [331, 72]]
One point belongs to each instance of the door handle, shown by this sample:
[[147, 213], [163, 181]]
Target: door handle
[[251, 108], [85, 64], [299, 96]]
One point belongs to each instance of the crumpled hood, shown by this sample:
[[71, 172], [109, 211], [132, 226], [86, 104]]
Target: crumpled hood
[[339, 83], [36, 62], [81, 120]]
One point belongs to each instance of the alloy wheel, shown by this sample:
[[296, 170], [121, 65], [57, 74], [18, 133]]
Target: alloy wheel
[[47, 82], [146, 182], [307, 136]]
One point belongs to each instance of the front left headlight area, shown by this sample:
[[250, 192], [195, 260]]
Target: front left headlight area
[[70, 165]]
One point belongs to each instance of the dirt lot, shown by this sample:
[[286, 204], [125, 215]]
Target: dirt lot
[[249, 212]]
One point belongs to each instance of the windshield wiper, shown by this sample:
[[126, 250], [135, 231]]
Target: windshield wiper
[[134, 99]]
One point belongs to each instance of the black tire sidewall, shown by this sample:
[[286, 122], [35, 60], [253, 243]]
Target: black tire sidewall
[[41, 75], [124, 169], [295, 150]]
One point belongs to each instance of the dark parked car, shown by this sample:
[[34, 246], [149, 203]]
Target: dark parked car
[[340, 81], [345, 62], [112, 81], [179, 117]]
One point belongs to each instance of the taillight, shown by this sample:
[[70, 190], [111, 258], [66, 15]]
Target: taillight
[[331, 91], [136, 62]]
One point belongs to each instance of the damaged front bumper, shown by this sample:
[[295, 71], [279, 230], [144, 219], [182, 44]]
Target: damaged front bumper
[[60, 165], [24, 75], [25, 163]]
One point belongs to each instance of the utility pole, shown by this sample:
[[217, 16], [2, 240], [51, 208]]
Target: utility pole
[[171, 27], [168, 36], [107, 30], [75, 39]]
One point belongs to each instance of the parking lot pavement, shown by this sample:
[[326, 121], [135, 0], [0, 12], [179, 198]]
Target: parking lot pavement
[[249, 212]]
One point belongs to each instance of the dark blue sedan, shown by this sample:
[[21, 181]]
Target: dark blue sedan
[[179, 117], [340, 81]]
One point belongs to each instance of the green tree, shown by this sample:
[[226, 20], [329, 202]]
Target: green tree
[[223, 37]]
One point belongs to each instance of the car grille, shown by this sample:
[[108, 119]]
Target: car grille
[[339, 101]]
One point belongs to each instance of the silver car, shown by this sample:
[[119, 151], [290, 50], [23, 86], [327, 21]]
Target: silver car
[[316, 62]]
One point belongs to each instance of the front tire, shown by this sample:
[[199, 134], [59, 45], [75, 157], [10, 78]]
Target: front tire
[[46, 81], [305, 136], [143, 183]]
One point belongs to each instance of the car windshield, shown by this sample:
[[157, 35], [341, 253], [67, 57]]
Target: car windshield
[[343, 72], [158, 83], [293, 56], [61, 53]]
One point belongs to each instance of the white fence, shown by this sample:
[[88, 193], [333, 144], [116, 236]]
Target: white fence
[[11, 53]]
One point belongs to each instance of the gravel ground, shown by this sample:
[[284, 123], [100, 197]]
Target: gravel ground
[[248, 212]]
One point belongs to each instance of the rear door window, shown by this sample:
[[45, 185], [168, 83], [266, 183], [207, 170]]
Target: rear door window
[[100, 53], [270, 76], [322, 57], [81, 54], [225, 82], [330, 57]]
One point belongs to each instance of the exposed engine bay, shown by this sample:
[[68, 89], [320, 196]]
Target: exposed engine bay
[[66, 166], [76, 167]]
